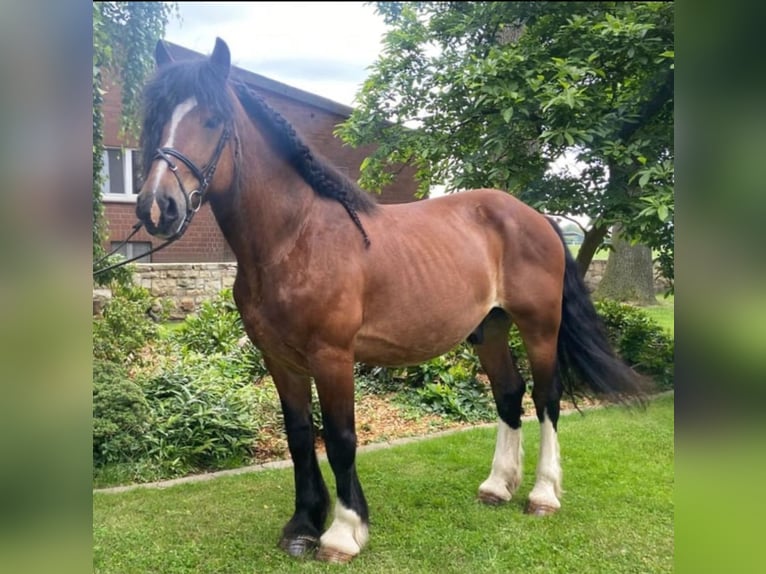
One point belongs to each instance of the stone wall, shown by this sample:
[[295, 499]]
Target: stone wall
[[188, 285]]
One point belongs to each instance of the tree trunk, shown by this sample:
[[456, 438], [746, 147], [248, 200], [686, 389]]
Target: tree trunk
[[629, 273], [590, 244]]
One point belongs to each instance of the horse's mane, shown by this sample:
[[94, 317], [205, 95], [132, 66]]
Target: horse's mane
[[316, 171], [179, 81]]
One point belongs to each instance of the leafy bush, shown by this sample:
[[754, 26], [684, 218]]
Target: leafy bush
[[639, 340], [457, 397], [121, 415], [448, 386], [194, 407], [376, 380], [125, 326], [201, 412], [200, 418], [217, 328]]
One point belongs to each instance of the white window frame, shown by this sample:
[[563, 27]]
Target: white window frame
[[130, 250], [130, 194]]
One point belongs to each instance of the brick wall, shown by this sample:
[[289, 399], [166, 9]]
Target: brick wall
[[202, 242]]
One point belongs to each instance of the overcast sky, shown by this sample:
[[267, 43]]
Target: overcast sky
[[321, 47]]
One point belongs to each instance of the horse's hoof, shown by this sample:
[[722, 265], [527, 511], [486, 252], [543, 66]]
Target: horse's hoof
[[491, 499], [299, 546], [333, 555], [539, 509]]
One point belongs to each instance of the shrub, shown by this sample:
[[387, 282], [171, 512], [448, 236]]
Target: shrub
[[125, 326], [217, 329], [448, 386], [639, 340], [206, 414], [121, 415]]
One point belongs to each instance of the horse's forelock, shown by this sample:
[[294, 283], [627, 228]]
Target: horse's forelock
[[172, 85]]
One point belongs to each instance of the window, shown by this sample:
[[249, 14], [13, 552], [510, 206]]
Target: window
[[134, 249], [121, 173]]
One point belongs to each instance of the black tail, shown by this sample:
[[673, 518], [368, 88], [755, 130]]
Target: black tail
[[585, 354]]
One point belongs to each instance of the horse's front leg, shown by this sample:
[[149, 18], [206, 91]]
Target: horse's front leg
[[334, 375], [301, 534]]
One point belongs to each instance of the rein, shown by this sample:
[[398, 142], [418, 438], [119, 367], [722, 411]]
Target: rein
[[194, 198]]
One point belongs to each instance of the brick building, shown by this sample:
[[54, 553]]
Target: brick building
[[314, 117]]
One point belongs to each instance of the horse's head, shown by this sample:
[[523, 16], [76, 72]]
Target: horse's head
[[186, 139]]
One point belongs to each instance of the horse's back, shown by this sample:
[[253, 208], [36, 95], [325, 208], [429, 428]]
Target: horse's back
[[437, 267]]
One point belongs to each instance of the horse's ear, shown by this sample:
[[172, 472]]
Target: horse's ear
[[161, 54], [221, 59]]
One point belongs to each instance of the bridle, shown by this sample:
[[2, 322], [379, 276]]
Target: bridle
[[194, 198]]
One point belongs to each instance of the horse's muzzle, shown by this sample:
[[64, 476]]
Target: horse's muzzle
[[160, 214]]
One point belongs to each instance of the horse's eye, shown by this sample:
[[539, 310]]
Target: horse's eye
[[213, 122]]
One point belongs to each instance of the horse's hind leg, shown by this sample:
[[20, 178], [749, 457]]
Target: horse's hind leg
[[508, 389], [301, 534], [540, 334]]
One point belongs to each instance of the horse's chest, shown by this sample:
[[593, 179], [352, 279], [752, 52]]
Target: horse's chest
[[271, 328]]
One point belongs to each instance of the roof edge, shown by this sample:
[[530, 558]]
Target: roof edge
[[256, 80]]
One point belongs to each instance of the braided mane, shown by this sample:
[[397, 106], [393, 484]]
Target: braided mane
[[316, 171], [178, 81]]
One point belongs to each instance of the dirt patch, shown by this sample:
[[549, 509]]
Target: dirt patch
[[379, 418]]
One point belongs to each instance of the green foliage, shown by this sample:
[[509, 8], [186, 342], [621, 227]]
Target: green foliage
[[195, 408], [121, 415], [639, 340], [217, 328], [447, 385], [488, 94], [205, 414], [125, 327], [198, 412]]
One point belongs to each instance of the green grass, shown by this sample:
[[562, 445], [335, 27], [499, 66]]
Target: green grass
[[600, 255], [617, 513], [663, 312]]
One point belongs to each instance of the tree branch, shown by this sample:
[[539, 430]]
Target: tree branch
[[649, 109]]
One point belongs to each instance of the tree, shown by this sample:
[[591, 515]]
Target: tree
[[628, 275], [478, 94], [124, 37]]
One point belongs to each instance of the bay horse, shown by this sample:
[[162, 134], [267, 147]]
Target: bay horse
[[326, 277]]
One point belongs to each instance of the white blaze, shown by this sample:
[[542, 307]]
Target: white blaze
[[175, 119]]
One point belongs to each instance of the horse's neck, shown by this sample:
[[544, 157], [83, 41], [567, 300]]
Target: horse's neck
[[263, 218]]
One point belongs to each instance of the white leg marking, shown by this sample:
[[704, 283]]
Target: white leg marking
[[347, 532], [548, 480], [506, 473], [175, 119]]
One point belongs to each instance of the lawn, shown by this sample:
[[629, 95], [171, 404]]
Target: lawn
[[663, 312], [600, 255], [617, 513]]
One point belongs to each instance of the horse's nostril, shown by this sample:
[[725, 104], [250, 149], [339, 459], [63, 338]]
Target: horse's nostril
[[171, 210]]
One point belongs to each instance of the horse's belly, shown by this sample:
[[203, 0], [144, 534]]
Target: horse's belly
[[412, 337]]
